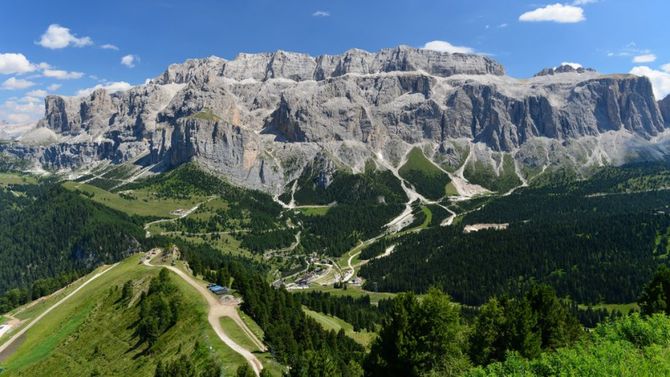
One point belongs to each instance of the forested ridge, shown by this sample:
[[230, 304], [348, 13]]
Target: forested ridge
[[371, 186], [50, 236], [593, 240], [364, 203]]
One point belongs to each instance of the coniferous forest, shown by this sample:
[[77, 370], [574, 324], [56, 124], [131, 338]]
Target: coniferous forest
[[50, 236]]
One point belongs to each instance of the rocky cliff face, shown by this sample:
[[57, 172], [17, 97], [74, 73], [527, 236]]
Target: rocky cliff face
[[262, 119], [664, 106]]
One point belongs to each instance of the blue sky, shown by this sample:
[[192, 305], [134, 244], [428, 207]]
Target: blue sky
[[64, 47]]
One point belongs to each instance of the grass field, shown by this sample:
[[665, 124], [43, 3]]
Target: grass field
[[235, 333], [314, 210], [142, 204], [353, 291], [92, 332], [364, 338], [226, 243], [16, 179], [427, 178]]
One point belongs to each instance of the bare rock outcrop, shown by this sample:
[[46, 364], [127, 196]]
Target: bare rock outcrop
[[261, 119]]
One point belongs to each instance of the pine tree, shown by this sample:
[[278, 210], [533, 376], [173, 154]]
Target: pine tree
[[655, 296]]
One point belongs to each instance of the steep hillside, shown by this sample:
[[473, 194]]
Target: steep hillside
[[99, 330], [50, 236]]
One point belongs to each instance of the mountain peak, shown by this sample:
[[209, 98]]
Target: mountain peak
[[298, 66], [564, 68]]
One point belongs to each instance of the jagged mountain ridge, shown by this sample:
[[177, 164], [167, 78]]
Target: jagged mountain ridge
[[260, 119]]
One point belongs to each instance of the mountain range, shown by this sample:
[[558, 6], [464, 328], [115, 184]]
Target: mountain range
[[264, 120]]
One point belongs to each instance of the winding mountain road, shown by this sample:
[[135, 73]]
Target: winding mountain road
[[218, 310]]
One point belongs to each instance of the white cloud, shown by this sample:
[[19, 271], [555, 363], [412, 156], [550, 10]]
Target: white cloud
[[58, 36], [561, 13], [109, 46], [53, 87], [15, 63], [13, 83], [62, 75], [130, 60], [630, 49], [22, 110], [111, 87], [39, 93], [644, 58], [659, 79], [321, 13], [444, 46], [18, 118], [666, 67], [573, 65]]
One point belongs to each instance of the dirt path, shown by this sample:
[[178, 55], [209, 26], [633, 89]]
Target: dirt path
[[48, 310], [218, 310], [183, 215]]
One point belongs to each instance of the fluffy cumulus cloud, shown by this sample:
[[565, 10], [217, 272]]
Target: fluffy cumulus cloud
[[561, 13], [130, 60], [57, 37], [62, 75], [13, 83], [644, 58], [573, 65], [15, 63], [53, 87], [659, 79], [321, 13], [666, 67], [111, 87], [109, 46], [444, 46]]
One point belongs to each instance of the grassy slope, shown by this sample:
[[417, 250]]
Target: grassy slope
[[364, 338], [353, 291], [91, 332], [314, 210], [428, 180], [236, 333], [16, 179], [145, 203]]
